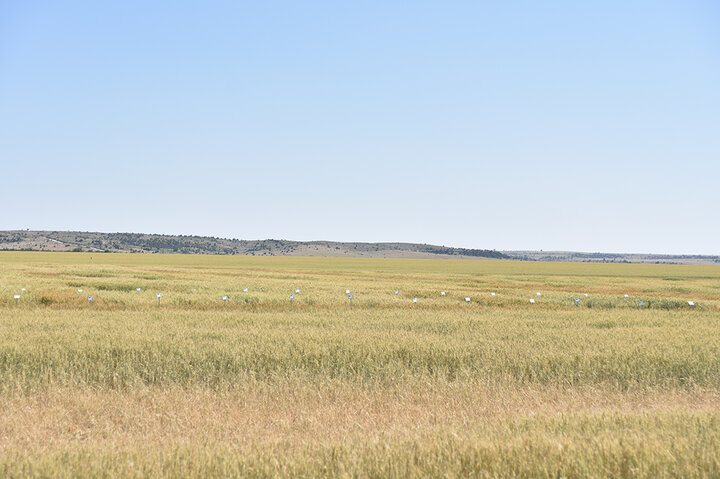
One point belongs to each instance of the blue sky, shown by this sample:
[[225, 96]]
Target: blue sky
[[591, 126]]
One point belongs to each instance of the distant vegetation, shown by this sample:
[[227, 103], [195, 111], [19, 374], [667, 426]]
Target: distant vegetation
[[575, 256], [78, 241], [153, 243]]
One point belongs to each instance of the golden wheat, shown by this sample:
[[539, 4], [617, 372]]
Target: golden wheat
[[194, 386]]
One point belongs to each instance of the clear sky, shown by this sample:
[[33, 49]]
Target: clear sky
[[591, 126]]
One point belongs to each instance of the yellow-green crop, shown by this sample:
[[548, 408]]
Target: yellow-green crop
[[194, 386]]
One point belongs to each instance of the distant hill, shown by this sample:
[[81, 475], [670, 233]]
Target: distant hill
[[23, 240], [574, 256]]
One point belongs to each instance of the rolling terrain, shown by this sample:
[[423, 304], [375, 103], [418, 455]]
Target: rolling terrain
[[24, 240], [150, 243]]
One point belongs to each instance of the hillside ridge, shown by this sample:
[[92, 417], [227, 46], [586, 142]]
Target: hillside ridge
[[32, 240], [26, 240]]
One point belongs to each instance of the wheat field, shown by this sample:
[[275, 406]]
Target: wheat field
[[190, 385]]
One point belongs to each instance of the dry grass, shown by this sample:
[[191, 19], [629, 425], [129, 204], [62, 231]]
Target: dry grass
[[340, 430], [298, 416]]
